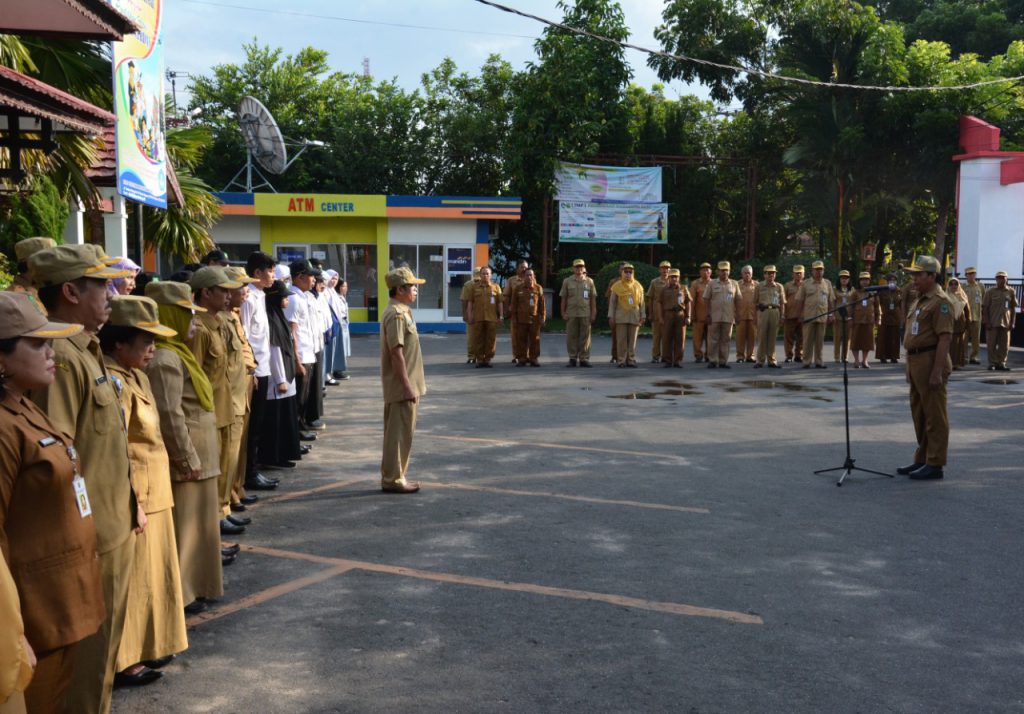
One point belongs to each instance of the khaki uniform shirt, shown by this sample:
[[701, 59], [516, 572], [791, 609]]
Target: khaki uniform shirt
[[83, 401], [235, 316], [930, 315], [844, 296], [975, 294], [817, 298], [151, 469], [510, 288], [866, 310], [528, 304], [723, 299], [653, 293], [773, 294], [697, 288], [672, 300], [998, 306], [485, 302], [792, 298], [622, 312], [580, 297], [748, 301], [891, 302], [909, 294], [398, 328], [239, 380], [212, 354], [50, 546]]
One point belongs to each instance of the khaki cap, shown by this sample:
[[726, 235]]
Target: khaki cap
[[844, 273], [64, 263], [24, 248], [705, 265], [212, 276], [770, 269], [1002, 274], [168, 292], [138, 312], [102, 254], [240, 276], [724, 265], [664, 264], [402, 276], [864, 275], [798, 269], [626, 266], [476, 272], [673, 273], [818, 264], [22, 315], [925, 264], [578, 261], [970, 270]]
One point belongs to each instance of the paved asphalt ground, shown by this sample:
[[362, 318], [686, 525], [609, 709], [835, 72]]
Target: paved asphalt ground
[[576, 551]]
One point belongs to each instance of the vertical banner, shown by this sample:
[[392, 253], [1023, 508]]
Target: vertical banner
[[139, 105]]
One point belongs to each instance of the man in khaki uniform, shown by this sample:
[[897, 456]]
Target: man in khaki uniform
[[769, 301], [887, 344], [486, 310], [816, 297], [975, 294], [23, 249], [999, 316], [700, 311], [746, 317], [243, 381], [529, 311], [464, 297], [626, 314], [928, 335], [401, 375], [672, 312], [722, 302], [579, 310], [792, 330], [652, 299], [221, 360], [83, 401], [506, 296]]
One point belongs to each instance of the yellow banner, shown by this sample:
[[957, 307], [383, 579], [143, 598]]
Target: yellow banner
[[320, 205]]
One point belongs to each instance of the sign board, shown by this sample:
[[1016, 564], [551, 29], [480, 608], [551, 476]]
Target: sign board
[[626, 184], [319, 205], [290, 253], [586, 222], [139, 105], [460, 260]]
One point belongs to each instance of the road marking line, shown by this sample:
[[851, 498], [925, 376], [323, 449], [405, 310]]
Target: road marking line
[[567, 497], [263, 596], [671, 608], [539, 444]]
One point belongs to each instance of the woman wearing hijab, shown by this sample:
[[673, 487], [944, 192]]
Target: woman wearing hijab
[[125, 285], [625, 314], [343, 342], [961, 317], [184, 399], [280, 441]]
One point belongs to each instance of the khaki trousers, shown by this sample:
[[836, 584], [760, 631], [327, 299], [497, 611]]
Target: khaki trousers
[[673, 337], [577, 338], [95, 656], [746, 339], [841, 332], [700, 332], [719, 338], [928, 409], [527, 336], [958, 348], [625, 342], [238, 485], [471, 331], [514, 338], [230, 445], [997, 340], [656, 329], [793, 337], [15, 704], [485, 342], [974, 330], [887, 342], [399, 425], [767, 334], [50, 681], [814, 342]]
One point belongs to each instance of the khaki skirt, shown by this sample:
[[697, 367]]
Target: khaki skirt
[[197, 533], [863, 338]]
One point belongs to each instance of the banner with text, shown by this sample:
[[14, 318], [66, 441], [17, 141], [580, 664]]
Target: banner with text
[[627, 184], [139, 105], [586, 222]]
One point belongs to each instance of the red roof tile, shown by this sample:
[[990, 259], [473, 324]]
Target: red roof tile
[[41, 100]]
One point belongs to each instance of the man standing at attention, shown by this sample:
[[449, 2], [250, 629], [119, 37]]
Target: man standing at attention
[[770, 299], [486, 310], [722, 302], [579, 310], [652, 299], [510, 288], [792, 331], [998, 315], [401, 376], [700, 325], [464, 297], [746, 317], [816, 297], [927, 339], [672, 312], [529, 311], [975, 294]]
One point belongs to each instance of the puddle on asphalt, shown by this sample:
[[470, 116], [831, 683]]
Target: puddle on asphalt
[[675, 388], [822, 399], [772, 384], [655, 395], [999, 381]]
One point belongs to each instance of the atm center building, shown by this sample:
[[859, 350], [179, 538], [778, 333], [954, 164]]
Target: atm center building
[[440, 238]]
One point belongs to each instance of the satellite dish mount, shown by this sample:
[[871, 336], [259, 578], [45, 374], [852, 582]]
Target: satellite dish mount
[[265, 146]]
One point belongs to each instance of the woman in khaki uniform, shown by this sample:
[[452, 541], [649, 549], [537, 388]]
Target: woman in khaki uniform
[[866, 314], [842, 328], [17, 660], [154, 626], [962, 317], [184, 399], [625, 315], [47, 532]]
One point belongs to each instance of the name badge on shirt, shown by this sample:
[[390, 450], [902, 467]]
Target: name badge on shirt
[[729, 296], [100, 380], [892, 306], [586, 294], [532, 302], [1006, 304], [492, 299], [630, 299], [864, 302], [915, 328], [679, 297], [81, 496], [47, 441]]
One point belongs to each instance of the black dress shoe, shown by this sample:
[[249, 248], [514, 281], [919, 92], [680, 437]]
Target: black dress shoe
[[227, 550], [758, 366], [280, 465], [226, 560], [229, 528], [307, 436], [227, 553], [260, 485], [239, 520], [584, 363], [904, 470], [195, 607], [572, 363], [927, 473], [159, 663], [725, 365], [139, 679], [316, 426], [237, 507], [712, 365], [303, 449], [262, 478], [250, 499], [332, 382]]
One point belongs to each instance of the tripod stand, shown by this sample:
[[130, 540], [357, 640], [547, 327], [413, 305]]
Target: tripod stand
[[848, 466]]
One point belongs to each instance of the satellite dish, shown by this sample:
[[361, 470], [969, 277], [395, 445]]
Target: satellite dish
[[262, 136], [264, 144]]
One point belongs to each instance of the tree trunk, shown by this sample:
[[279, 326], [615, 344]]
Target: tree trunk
[[941, 222]]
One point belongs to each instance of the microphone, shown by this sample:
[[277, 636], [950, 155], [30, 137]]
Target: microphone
[[877, 288]]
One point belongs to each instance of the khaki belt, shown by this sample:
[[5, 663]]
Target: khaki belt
[[921, 350]]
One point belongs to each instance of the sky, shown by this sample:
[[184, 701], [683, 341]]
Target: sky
[[199, 34]]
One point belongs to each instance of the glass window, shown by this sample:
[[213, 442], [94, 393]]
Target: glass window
[[427, 262], [357, 263]]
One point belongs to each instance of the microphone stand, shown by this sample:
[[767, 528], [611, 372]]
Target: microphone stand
[[848, 466]]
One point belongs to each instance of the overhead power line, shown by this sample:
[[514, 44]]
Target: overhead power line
[[746, 70]]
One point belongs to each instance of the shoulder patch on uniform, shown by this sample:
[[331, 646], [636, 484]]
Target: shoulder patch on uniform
[[944, 309]]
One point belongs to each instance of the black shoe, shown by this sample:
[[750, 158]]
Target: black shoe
[[712, 365], [249, 499], [195, 607], [470, 360], [261, 483], [572, 363], [821, 366], [725, 365], [904, 470], [224, 550], [226, 560], [631, 365], [798, 359], [341, 377], [140, 679], [991, 368], [655, 360], [229, 528], [667, 365], [159, 663], [239, 520], [521, 364], [332, 382], [482, 365], [974, 361], [758, 366], [788, 360], [315, 426], [927, 473], [1002, 368], [228, 553], [280, 465], [772, 365], [535, 364], [487, 365], [305, 449], [307, 436], [584, 363], [237, 508]]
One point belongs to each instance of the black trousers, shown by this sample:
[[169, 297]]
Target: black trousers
[[314, 405], [257, 414]]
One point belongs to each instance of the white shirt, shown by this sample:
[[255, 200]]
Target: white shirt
[[297, 313], [253, 313]]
